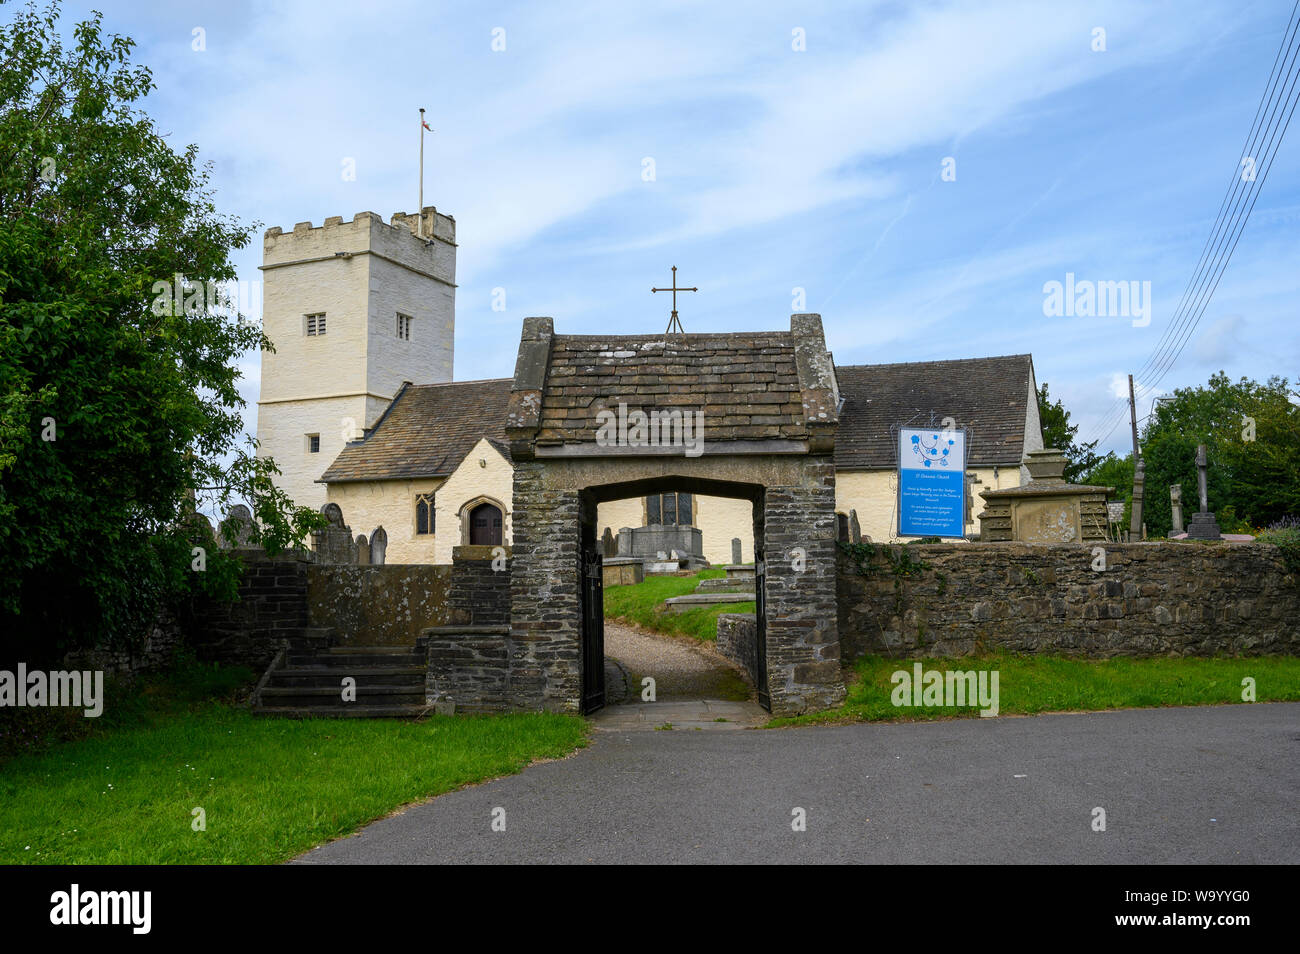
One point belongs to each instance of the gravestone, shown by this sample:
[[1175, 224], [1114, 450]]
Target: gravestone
[[1176, 507], [334, 543], [607, 545], [735, 550], [378, 546], [363, 550], [855, 529], [1203, 525], [237, 528]]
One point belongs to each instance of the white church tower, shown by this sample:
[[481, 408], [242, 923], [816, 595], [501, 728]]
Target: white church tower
[[353, 310]]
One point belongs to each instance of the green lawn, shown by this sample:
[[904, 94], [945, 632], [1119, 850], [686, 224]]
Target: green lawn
[[1029, 684], [270, 788], [641, 604]]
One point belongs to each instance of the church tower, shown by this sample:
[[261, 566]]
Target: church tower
[[353, 310]]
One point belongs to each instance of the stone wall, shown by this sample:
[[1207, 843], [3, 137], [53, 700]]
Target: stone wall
[[480, 586], [272, 607], [738, 640], [468, 668], [1152, 599], [387, 605]]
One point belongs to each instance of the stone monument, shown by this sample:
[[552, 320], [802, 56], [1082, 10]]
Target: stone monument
[[1047, 509], [1203, 525], [1176, 508]]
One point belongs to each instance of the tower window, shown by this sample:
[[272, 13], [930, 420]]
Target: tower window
[[315, 325], [669, 509], [424, 513], [313, 443], [404, 327]]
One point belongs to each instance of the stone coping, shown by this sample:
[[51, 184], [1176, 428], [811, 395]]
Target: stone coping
[[1045, 490]]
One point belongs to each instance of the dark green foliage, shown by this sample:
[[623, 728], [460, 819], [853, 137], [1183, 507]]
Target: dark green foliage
[[96, 208]]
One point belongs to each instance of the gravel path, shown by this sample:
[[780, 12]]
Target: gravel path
[[681, 667]]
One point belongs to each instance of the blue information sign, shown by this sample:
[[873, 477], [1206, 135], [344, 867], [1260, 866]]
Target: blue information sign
[[931, 483]]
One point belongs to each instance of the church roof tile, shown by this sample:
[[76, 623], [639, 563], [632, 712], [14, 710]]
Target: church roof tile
[[427, 431]]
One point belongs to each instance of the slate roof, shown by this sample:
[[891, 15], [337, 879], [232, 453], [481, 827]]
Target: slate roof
[[427, 431], [746, 384], [987, 396]]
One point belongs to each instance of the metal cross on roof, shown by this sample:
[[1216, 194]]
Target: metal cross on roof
[[674, 323]]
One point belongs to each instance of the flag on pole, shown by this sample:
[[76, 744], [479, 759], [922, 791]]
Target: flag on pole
[[425, 125]]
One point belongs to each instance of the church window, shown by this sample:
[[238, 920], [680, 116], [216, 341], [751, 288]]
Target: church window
[[424, 513], [313, 443], [669, 509], [315, 325], [404, 327]]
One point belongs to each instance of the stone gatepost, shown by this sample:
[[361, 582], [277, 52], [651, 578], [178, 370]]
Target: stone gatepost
[[545, 613], [802, 641]]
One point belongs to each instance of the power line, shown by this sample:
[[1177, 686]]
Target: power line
[[1179, 330]]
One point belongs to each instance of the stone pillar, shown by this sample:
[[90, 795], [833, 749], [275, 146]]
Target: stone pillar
[[1139, 480], [1176, 506], [803, 649], [545, 613]]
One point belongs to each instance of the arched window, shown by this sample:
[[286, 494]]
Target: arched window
[[485, 525], [424, 513]]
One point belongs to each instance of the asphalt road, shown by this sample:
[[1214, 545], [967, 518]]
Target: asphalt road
[[1197, 785]]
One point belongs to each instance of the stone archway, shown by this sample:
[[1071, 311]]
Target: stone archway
[[590, 592], [766, 406]]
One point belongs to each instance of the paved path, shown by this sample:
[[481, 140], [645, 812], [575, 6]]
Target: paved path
[[682, 668], [1201, 785]]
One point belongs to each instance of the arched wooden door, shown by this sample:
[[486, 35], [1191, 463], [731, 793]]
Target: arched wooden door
[[485, 525]]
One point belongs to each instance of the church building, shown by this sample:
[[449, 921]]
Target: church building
[[358, 406]]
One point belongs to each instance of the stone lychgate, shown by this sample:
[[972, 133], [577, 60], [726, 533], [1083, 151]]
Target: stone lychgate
[[594, 418]]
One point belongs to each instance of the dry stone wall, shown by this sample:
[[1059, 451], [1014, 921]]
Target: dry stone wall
[[1152, 599]]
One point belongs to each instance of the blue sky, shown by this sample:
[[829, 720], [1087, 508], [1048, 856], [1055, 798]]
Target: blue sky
[[775, 168]]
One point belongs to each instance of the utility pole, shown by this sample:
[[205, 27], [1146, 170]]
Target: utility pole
[[1135, 529]]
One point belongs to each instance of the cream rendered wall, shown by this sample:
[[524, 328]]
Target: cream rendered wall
[[483, 473], [721, 518], [390, 504], [874, 495], [360, 274]]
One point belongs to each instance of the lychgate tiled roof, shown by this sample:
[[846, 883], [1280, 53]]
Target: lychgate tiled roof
[[747, 385], [987, 396], [427, 431]]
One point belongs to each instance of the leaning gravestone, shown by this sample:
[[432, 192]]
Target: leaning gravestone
[[237, 528], [378, 546]]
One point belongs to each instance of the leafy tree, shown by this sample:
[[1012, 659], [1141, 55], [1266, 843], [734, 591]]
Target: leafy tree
[[115, 417], [1252, 436], [1060, 433]]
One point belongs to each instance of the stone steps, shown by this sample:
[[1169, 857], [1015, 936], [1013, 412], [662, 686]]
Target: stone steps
[[389, 683]]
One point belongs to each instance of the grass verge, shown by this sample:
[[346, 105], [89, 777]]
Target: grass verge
[[1031, 684], [642, 605], [269, 788]]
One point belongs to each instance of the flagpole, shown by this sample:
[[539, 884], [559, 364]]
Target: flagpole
[[420, 210]]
